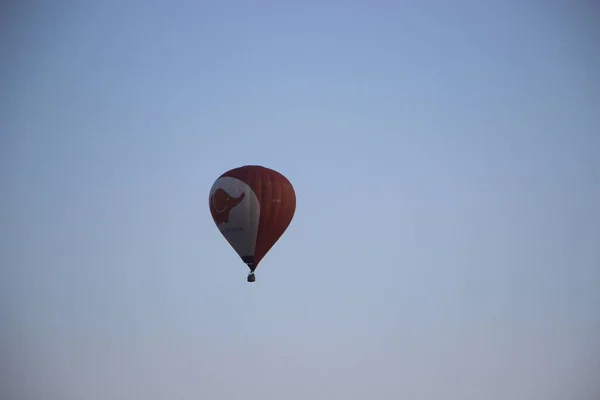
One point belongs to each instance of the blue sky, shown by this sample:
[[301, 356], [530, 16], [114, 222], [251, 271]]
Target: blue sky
[[445, 160]]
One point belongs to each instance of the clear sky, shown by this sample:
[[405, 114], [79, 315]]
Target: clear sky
[[445, 156]]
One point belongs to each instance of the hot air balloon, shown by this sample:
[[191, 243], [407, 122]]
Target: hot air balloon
[[252, 207]]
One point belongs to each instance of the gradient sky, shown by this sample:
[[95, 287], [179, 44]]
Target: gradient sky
[[446, 159]]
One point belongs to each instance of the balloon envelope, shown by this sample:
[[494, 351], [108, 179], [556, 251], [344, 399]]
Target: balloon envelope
[[252, 206]]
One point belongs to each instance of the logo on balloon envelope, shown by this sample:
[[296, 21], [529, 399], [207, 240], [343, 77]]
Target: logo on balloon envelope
[[221, 204], [236, 212]]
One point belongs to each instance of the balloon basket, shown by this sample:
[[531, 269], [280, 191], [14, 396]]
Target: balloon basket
[[251, 278]]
